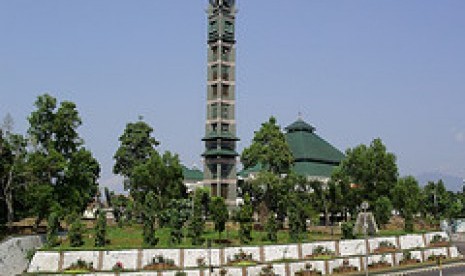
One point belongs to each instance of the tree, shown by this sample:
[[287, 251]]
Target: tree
[[101, 229], [271, 228], [219, 214], [197, 222], [371, 169], [75, 231], [406, 198], [382, 210], [136, 147], [177, 214], [297, 214], [53, 226], [58, 162], [245, 218], [160, 174], [150, 208], [12, 166], [269, 148], [436, 200]]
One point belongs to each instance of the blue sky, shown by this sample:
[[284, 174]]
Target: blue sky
[[356, 70]]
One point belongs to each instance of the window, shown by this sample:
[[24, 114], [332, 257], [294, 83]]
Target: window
[[215, 91], [225, 53], [225, 91], [214, 127], [214, 54], [214, 189], [224, 127], [214, 72], [225, 72], [224, 190], [225, 111], [214, 111]]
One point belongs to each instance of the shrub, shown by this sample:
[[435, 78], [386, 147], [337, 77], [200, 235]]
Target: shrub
[[118, 267], [75, 232], [101, 229], [386, 244], [348, 230], [321, 250], [52, 229], [271, 228]]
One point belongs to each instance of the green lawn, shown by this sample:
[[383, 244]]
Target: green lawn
[[131, 237]]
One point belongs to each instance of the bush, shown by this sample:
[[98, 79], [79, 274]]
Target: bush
[[75, 232], [52, 229], [348, 230], [271, 228], [101, 229]]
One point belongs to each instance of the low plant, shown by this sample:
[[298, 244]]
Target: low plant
[[159, 259], [201, 262], [408, 258], [81, 265], [386, 244], [118, 267], [346, 267], [180, 273], [381, 263], [438, 240], [308, 271], [435, 258], [267, 270], [321, 250]]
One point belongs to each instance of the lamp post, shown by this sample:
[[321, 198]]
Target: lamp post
[[365, 206]]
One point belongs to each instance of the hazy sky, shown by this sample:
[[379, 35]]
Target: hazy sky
[[356, 70]]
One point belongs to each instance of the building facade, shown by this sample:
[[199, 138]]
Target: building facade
[[220, 156]]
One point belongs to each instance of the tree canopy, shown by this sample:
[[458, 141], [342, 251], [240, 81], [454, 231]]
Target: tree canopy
[[269, 148]]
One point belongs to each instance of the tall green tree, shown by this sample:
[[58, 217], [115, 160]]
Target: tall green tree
[[101, 229], [151, 209], [58, 163], [136, 147], [245, 218], [371, 169], [13, 156], [197, 221], [406, 198], [269, 148], [382, 210], [436, 200], [219, 214], [161, 175]]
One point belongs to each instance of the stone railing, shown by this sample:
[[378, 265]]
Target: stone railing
[[286, 259]]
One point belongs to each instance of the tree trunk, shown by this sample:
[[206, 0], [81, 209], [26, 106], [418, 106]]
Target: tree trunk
[[326, 215], [8, 194]]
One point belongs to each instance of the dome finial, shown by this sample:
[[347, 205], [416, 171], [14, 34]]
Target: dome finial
[[299, 115]]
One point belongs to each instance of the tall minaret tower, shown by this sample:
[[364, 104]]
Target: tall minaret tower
[[220, 131]]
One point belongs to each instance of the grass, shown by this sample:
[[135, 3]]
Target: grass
[[131, 237]]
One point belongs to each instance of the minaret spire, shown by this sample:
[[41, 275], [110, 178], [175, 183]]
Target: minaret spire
[[220, 129]]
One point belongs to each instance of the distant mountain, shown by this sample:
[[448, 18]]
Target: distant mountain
[[452, 183]]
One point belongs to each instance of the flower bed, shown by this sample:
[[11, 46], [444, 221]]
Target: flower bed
[[321, 252], [439, 241], [345, 268], [80, 266], [160, 263], [385, 247], [308, 271], [242, 259], [408, 259]]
